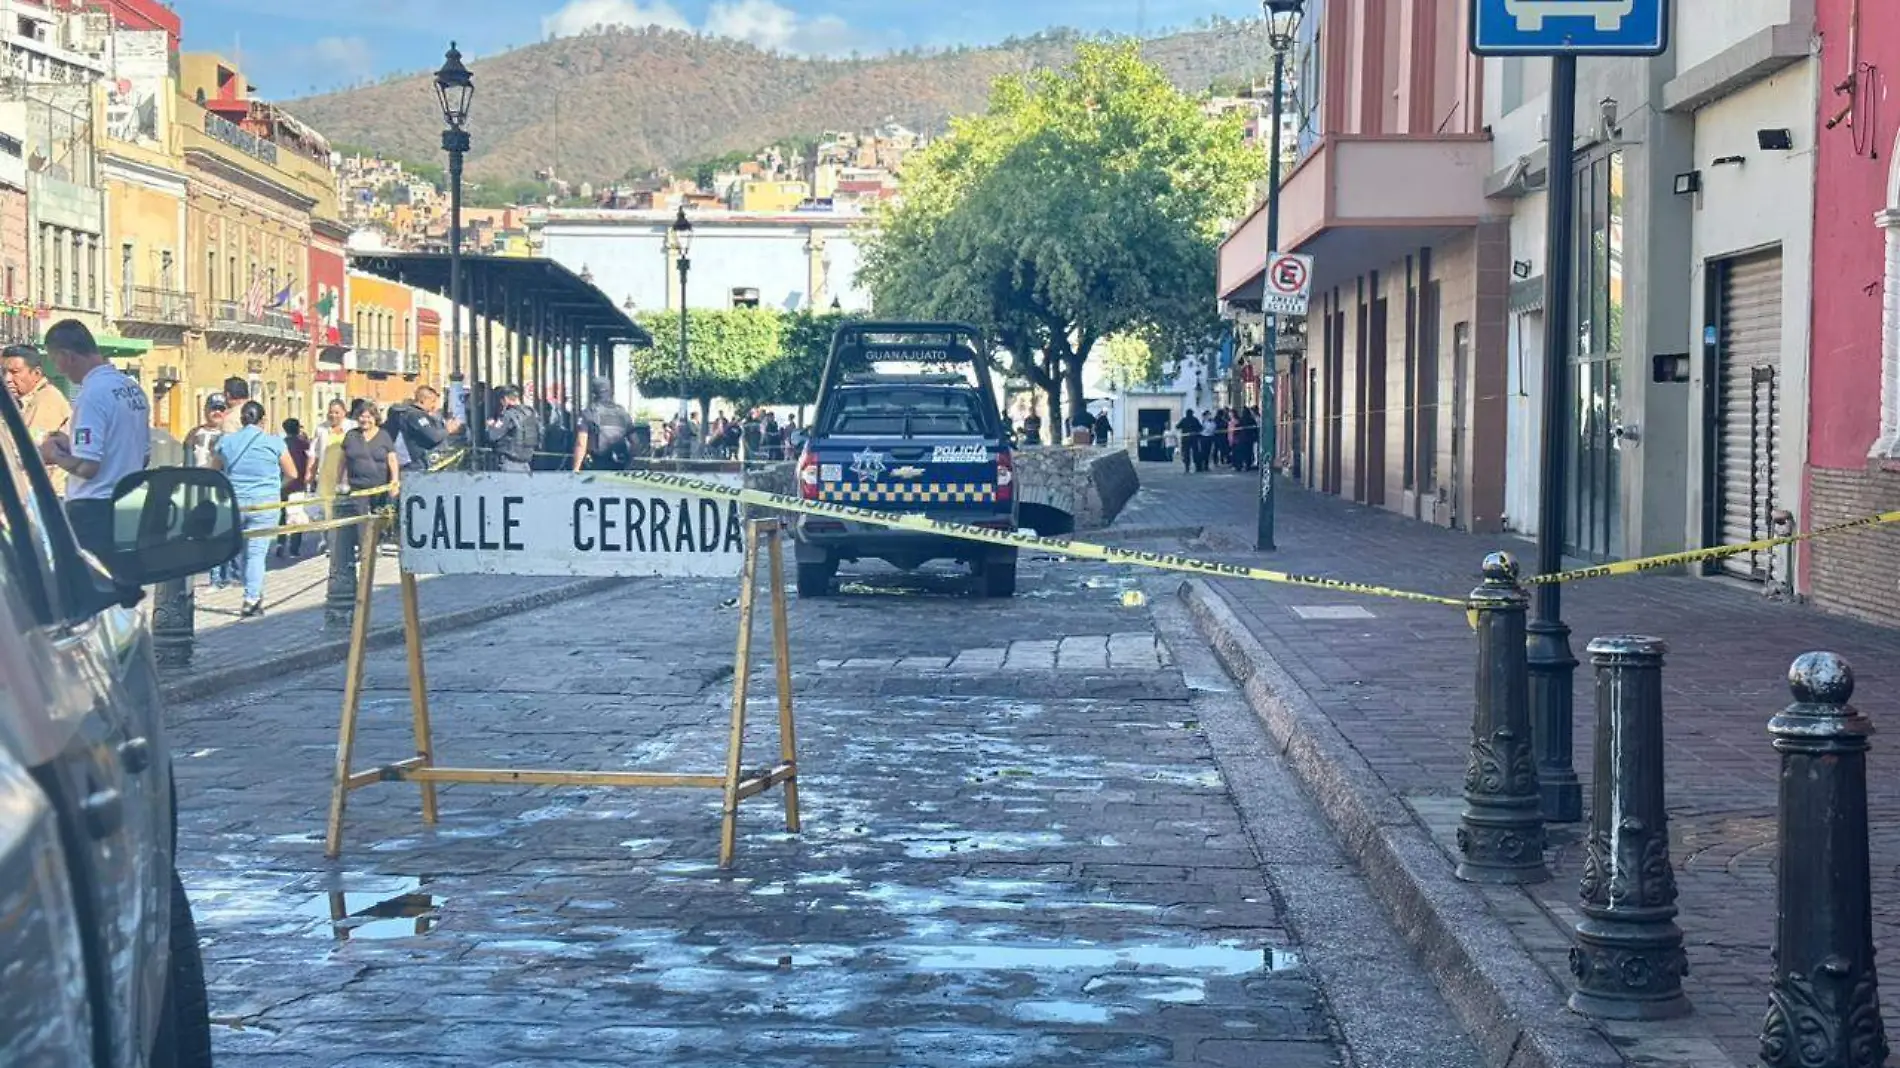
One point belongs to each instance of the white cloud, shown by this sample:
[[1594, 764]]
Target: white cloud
[[764, 23], [347, 59], [580, 16]]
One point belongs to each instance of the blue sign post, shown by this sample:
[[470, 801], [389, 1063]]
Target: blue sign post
[[1569, 27], [1561, 30]]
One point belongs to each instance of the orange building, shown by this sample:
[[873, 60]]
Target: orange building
[[385, 364]]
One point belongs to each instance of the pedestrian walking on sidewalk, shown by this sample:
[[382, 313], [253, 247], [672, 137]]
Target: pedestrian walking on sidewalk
[[1249, 431], [326, 462], [1190, 430], [296, 489], [259, 466]]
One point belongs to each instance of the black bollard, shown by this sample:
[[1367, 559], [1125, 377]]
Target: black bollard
[[339, 603], [1628, 959], [1501, 834], [1824, 1008], [174, 623]]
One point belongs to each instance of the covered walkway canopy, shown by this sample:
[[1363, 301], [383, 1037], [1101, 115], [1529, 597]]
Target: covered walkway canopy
[[563, 329]]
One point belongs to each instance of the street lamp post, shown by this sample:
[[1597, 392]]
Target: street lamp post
[[1283, 18], [455, 89], [683, 246]]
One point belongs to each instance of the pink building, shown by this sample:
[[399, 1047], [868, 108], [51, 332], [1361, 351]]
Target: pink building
[[1854, 398], [1396, 400]]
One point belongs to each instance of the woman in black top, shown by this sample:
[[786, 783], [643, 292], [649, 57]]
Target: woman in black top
[[369, 460]]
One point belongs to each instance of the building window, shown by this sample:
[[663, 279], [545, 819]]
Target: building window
[[211, 274], [56, 251], [89, 248]]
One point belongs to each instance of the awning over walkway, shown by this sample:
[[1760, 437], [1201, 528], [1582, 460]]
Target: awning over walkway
[[504, 287]]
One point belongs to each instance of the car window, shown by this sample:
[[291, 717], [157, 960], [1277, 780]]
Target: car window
[[26, 530], [907, 411]]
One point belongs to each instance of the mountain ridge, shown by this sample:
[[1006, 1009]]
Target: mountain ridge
[[615, 101]]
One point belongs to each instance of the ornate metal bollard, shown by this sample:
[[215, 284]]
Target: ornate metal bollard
[[1824, 1008], [1501, 834], [339, 602], [1628, 959], [174, 623]]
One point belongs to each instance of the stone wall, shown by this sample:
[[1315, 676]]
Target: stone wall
[[1089, 484]]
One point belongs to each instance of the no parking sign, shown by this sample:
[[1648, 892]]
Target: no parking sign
[[1289, 284]]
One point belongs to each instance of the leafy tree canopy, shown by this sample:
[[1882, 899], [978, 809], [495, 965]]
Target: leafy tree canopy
[[749, 356], [1084, 203]]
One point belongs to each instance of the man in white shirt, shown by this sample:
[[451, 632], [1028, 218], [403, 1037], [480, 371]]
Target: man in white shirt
[[110, 436]]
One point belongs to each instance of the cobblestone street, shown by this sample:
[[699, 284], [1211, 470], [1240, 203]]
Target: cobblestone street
[[1037, 832]]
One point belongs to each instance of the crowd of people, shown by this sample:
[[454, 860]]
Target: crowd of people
[[1224, 438]]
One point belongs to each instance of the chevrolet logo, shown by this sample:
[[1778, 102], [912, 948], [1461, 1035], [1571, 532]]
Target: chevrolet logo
[[907, 472]]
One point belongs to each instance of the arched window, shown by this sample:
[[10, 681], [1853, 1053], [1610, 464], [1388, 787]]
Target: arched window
[[1889, 221]]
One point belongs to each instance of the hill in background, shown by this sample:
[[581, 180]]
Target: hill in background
[[599, 106]]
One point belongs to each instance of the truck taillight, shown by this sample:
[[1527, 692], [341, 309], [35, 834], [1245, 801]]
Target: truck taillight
[[1005, 476], [808, 475]]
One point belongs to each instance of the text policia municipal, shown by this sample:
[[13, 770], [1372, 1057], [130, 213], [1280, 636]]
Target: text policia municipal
[[605, 524]]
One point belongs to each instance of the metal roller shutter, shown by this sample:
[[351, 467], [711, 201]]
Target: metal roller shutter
[[1748, 408]]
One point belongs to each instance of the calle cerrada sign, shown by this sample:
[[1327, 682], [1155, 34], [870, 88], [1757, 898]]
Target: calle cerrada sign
[[556, 523]]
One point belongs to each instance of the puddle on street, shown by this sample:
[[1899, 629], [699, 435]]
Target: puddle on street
[[1214, 959], [376, 907]]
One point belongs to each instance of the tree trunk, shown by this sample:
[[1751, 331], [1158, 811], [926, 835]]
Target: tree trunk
[[1052, 392], [1072, 380]]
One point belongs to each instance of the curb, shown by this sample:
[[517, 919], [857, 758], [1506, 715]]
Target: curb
[[1502, 996], [198, 686]]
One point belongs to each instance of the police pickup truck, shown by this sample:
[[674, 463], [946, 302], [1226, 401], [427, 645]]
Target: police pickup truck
[[924, 437]]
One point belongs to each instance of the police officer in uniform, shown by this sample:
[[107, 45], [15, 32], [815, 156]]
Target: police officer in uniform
[[604, 439], [514, 432]]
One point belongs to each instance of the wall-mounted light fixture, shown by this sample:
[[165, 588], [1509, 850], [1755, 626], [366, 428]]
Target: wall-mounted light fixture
[[1725, 161], [1688, 183], [1778, 140], [1521, 268]]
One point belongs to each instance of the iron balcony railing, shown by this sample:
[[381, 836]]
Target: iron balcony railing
[[379, 361], [411, 364], [232, 317], [156, 304], [346, 335]]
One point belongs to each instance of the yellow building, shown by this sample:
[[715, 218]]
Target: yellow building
[[385, 364], [255, 177], [772, 197], [142, 170]]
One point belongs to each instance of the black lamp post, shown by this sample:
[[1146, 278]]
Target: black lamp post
[[455, 88], [683, 247], [1283, 19]]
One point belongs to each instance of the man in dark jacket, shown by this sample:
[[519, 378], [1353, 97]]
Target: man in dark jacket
[[419, 428], [1190, 430], [514, 432], [604, 438]]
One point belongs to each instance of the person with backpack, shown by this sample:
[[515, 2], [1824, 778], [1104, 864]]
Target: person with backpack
[[514, 432], [604, 438]]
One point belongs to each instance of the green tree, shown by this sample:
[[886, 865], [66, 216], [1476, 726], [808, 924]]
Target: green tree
[[1131, 362], [726, 350], [1084, 203]]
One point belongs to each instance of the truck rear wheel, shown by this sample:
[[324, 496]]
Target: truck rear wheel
[[814, 580], [998, 575]]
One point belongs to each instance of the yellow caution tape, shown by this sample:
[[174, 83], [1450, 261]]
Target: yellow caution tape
[[1015, 539], [1668, 560], [306, 528]]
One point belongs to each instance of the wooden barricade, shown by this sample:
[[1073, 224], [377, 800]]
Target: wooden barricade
[[423, 770]]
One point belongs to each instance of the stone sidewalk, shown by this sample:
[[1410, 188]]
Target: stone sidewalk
[[1394, 680], [231, 651]]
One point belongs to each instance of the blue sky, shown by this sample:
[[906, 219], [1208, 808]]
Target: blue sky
[[290, 47]]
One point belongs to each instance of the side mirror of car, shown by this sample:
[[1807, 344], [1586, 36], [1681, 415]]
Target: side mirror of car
[[172, 522]]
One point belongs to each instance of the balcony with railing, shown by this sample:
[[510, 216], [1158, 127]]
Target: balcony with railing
[[379, 361], [411, 364], [231, 317], [156, 306]]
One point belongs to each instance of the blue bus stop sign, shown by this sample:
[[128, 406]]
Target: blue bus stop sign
[[1569, 27]]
